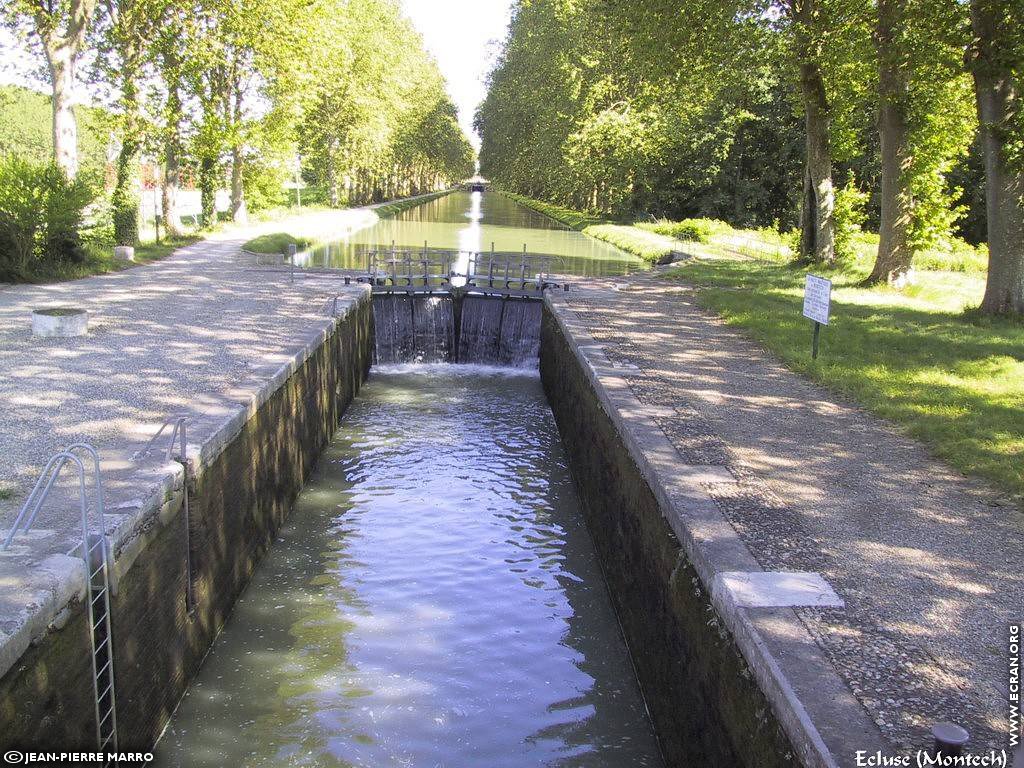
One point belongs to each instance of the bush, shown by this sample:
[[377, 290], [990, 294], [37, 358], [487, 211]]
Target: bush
[[125, 212], [40, 217], [694, 230], [849, 217]]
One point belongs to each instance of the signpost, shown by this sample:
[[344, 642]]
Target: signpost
[[817, 303]]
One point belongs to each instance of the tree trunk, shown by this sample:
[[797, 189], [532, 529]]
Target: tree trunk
[[172, 173], [123, 200], [894, 253], [208, 190], [817, 224], [60, 61], [998, 94], [239, 213], [169, 192]]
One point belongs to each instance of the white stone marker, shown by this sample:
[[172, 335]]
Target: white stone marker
[[60, 322], [124, 253]]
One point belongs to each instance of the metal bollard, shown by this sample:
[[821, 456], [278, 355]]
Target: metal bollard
[[291, 258], [949, 739]]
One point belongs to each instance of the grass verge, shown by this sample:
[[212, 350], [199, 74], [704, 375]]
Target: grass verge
[[395, 208], [949, 378], [649, 246], [100, 259], [275, 243], [570, 218]]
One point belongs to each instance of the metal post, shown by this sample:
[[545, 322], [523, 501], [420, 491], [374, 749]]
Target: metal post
[[814, 340], [949, 739], [291, 257]]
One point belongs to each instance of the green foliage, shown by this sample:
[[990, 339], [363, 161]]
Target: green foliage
[[912, 357], [276, 243], [849, 217], [649, 246], [41, 214], [696, 230], [25, 129]]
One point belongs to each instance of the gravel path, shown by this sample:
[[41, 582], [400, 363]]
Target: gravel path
[[930, 564], [180, 336]]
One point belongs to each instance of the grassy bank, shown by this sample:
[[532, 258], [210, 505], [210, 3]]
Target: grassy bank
[[649, 246], [573, 219], [393, 209], [950, 379], [99, 259], [275, 243]]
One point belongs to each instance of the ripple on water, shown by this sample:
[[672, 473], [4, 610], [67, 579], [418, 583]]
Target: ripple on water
[[435, 600]]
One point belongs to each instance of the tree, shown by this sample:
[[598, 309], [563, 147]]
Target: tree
[[924, 124], [996, 58], [61, 27]]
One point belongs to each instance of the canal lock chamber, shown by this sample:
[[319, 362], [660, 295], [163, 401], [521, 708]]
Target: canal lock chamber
[[475, 574], [583, 552]]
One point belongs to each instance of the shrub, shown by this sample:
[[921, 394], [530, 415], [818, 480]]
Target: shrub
[[694, 230], [41, 214], [849, 217], [125, 212]]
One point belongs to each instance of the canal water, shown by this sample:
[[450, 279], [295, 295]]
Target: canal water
[[474, 223], [435, 600]]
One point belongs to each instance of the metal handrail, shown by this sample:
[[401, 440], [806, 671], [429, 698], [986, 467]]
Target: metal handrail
[[97, 578], [179, 428]]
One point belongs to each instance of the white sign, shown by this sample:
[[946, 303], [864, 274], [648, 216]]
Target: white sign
[[817, 298]]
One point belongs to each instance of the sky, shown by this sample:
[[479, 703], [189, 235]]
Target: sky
[[464, 36]]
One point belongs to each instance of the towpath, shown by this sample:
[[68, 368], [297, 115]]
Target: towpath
[[930, 564]]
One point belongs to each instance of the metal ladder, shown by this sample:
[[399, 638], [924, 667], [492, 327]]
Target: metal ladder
[[97, 559]]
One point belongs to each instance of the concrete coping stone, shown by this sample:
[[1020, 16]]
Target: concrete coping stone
[[775, 589], [812, 703]]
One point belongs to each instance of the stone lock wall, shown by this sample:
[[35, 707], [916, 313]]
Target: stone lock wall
[[706, 707], [238, 501]]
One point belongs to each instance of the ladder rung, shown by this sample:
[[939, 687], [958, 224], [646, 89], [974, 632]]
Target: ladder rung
[[100, 646], [106, 690], [104, 719], [104, 669], [101, 593], [99, 543]]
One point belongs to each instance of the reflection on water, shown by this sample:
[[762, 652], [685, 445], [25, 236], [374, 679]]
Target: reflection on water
[[434, 601], [475, 222]]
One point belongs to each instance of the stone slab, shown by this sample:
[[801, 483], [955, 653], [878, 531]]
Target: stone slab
[[776, 589]]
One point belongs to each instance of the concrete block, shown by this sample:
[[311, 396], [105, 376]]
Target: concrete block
[[775, 589]]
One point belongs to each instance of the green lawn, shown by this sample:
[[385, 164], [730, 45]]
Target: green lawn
[[951, 379], [275, 243]]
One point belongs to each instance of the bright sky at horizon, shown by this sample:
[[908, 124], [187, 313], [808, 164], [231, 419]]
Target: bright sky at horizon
[[464, 36]]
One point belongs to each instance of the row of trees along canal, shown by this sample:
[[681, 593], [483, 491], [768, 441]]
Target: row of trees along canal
[[784, 111], [230, 92]]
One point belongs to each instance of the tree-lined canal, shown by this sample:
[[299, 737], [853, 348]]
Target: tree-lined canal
[[473, 223], [435, 600]]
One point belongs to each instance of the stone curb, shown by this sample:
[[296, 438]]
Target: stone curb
[[824, 722]]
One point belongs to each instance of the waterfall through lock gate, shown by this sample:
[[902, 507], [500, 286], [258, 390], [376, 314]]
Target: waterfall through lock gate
[[490, 330], [432, 306]]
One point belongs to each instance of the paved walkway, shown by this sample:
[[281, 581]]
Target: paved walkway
[[929, 564], [201, 334]]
